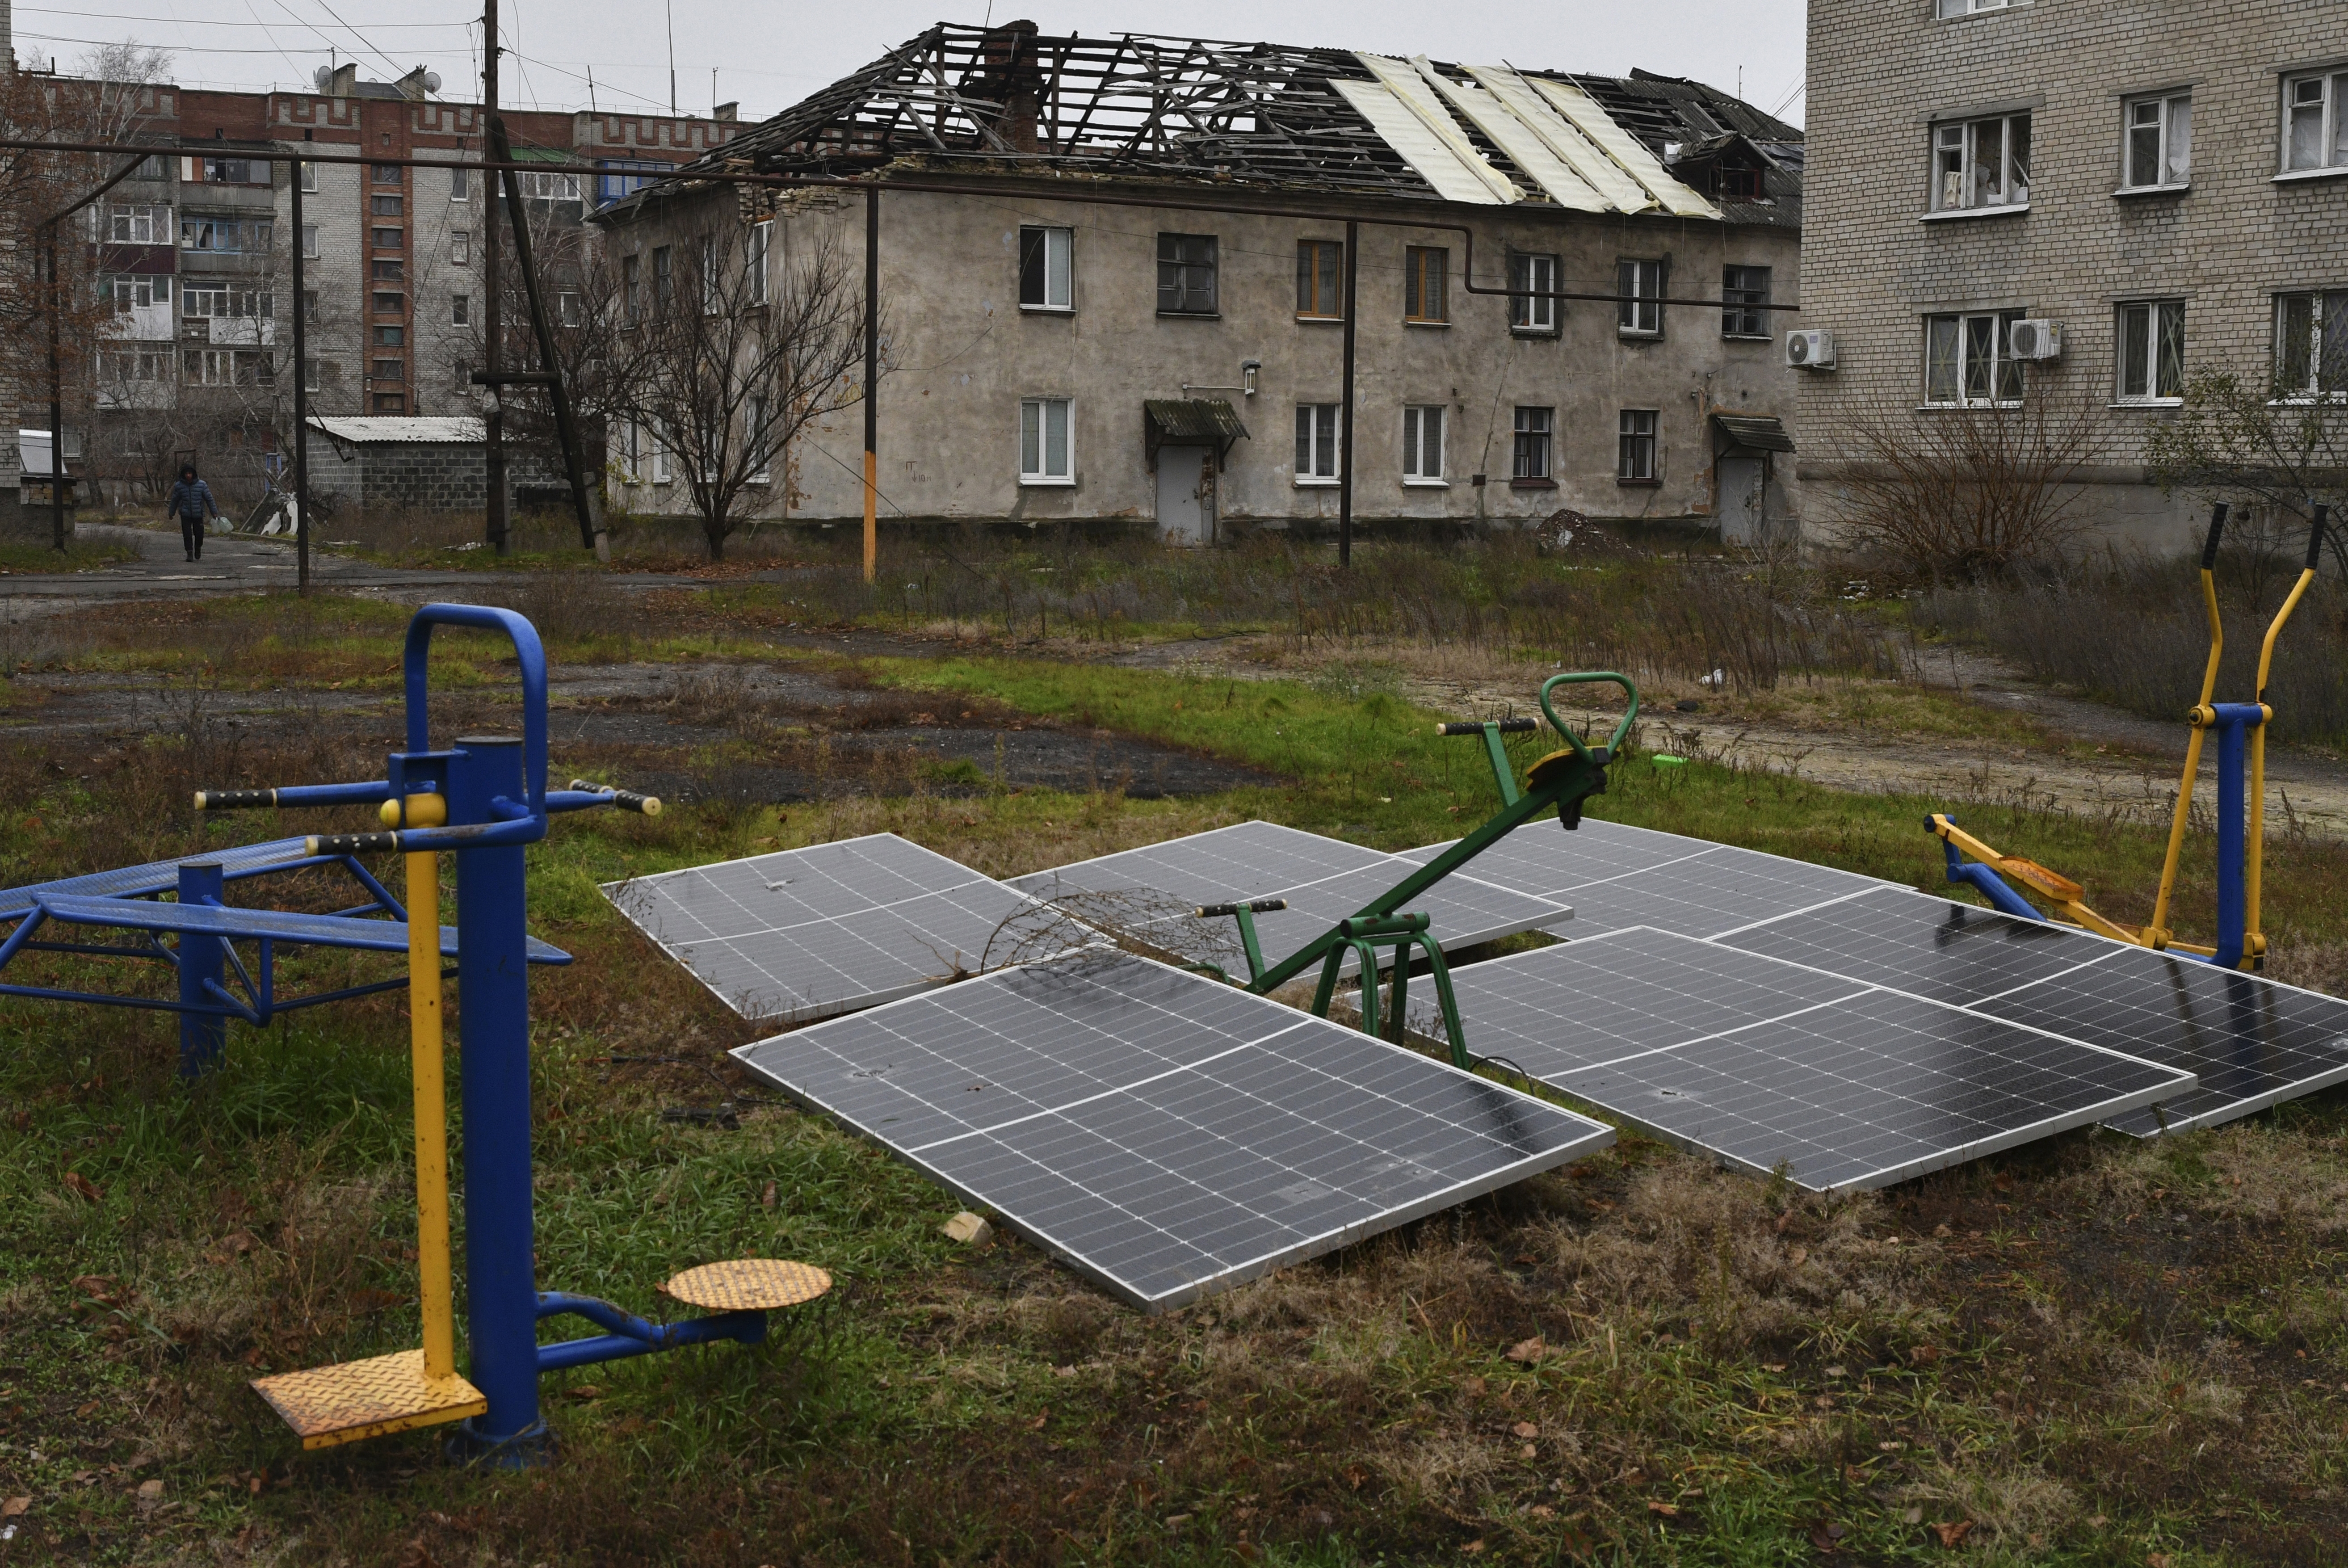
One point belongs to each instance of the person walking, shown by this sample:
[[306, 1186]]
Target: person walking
[[191, 499]]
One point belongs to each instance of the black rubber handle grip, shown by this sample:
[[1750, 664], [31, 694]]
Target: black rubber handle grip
[[1254, 906], [2315, 536], [625, 799], [1506, 727], [350, 843], [2217, 527], [234, 799]]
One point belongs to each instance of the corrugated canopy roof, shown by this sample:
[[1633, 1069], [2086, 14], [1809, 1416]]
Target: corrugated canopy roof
[[1212, 422], [1759, 432], [367, 429]]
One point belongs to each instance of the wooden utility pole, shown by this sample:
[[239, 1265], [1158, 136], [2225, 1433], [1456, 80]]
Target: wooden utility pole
[[871, 379], [301, 399], [1345, 417], [493, 289]]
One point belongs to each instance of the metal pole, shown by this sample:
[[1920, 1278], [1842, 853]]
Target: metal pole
[[872, 376], [203, 1035], [300, 401], [1346, 416], [56, 403], [492, 288]]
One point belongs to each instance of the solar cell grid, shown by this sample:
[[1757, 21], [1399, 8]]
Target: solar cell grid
[[1167, 1134], [1924, 945]]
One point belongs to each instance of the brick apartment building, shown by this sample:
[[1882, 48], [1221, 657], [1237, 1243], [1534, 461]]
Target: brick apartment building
[[195, 253], [2167, 181]]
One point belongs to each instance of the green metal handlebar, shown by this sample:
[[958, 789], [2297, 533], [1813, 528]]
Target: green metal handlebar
[[1580, 677]]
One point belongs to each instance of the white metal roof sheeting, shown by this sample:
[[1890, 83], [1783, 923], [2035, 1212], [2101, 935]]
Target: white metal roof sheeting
[[1526, 150], [369, 428], [1407, 134], [1399, 79], [1577, 152], [1623, 147]]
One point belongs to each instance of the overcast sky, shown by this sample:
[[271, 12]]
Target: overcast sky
[[770, 56]]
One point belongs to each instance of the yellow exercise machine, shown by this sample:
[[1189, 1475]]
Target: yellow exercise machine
[[2241, 833]]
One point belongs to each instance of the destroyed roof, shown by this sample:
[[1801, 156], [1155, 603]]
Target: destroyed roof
[[1011, 99]]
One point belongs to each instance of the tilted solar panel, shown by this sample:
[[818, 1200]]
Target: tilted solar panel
[[1165, 1133]]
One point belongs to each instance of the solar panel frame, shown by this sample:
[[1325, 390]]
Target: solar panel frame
[[1209, 1136], [848, 915]]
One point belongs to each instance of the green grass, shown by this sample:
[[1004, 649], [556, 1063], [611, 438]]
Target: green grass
[[78, 555]]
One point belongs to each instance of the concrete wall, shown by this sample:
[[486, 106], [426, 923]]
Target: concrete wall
[[1878, 72], [420, 476], [965, 353]]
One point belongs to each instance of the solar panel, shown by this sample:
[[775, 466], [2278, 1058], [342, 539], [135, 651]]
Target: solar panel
[[1148, 892], [2252, 1042], [1165, 1133], [805, 933], [1616, 876], [1769, 1066]]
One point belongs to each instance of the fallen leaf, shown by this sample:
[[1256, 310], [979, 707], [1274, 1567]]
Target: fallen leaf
[[1923, 1355], [767, 1198], [151, 1492], [1471, 1386], [1798, 1256], [81, 1186], [1354, 1476], [2098, 1521], [1828, 1537], [1527, 1350], [1668, 1510], [586, 1391], [2156, 1560], [1772, 1366], [1913, 1516], [15, 1506], [1542, 1510], [1950, 1534], [1474, 1548], [1037, 1425], [1525, 1429]]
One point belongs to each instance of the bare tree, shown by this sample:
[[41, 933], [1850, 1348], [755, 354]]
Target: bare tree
[[2284, 447], [736, 352]]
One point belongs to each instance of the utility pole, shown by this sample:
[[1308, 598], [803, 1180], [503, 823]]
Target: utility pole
[[1346, 415], [56, 401], [301, 399], [493, 288], [871, 379]]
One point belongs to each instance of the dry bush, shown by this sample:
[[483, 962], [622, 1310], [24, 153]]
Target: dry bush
[[571, 607]]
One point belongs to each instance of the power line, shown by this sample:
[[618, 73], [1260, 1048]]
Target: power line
[[346, 28], [205, 22]]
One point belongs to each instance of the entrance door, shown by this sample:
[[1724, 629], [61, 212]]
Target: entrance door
[[1742, 520], [1186, 495]]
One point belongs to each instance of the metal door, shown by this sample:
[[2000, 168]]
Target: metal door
[[1740, 510], [1186, 495]]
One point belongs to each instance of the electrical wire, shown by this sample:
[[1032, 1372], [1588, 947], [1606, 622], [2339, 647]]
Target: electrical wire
[[208, 22], [346, 28]]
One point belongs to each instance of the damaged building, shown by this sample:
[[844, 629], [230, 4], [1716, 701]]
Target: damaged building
[[1170, 348]]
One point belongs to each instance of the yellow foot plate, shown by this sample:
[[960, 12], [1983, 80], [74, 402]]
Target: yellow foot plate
[[355, 1400], [749, 1285]]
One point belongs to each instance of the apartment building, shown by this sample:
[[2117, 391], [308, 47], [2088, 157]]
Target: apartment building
[[2164, 182], [1177, 357]]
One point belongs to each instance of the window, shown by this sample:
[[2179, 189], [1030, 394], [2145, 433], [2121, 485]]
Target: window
[[309, 304], [1316, 443], [222, 302], [2311, 345], [223, 367], [391, 403], [1319, 264], [1530, 460], [1046, 279], [309, 179], [1639, 312], [1424, 297], [386, 174], [386, 206], [460, 185], [1743, 292], [225, 170], [1945, 9], [1979, 165], [460, 247], [543, 187], [1533, 276], [225, 236], [1043, 442], [387, 239], [390, 305], [754, 263], [754, 432], [388, 270], [628, 176], [1965, 360], [1422, 444], [129, 291], [628, 289], [664, 277], [2315, 130], [390, 336], [309, 375], [712, 297], [1634, 455], [137, 225], [390, 372], [122, 366], [569, 310], [310, 239], [2159, 143], [460, 310], [1186, 274], [2152, 351], [660, 453]]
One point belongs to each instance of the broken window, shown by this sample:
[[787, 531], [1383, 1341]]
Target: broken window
[[2311, 345], [1981, 164], [1046, 268], [2152, 351], [1316, 443], [2160, 142], [1744, 291], [1186, 274], [1424, 295], [1320, 271], [1641, 286], [460, 247], [1966, 362], [663, 278], [1043, 458], [1422, 444], [754, 263], [386, 174], [629, 309], [1635, 445], [1533, 276], [1530, 457], [2314, 127], [460, 310], [460, 185]]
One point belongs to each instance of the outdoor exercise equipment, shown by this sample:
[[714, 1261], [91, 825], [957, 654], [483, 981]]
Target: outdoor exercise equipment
[[1561, 781], [484, 798], [2241, 733]]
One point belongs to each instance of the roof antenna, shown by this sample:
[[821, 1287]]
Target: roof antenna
[[671, 6]]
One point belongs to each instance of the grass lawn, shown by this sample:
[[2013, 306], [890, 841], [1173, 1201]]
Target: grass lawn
[[2088, 1351]]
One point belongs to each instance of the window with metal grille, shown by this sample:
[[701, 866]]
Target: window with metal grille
[[2152, 351], [1966, 360], [2311, 355]]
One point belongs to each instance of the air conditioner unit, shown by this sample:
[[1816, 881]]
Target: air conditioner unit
[[2035, 339], [1810, 350]]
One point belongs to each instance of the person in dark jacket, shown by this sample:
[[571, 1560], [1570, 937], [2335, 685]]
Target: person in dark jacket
[[191, 499]]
